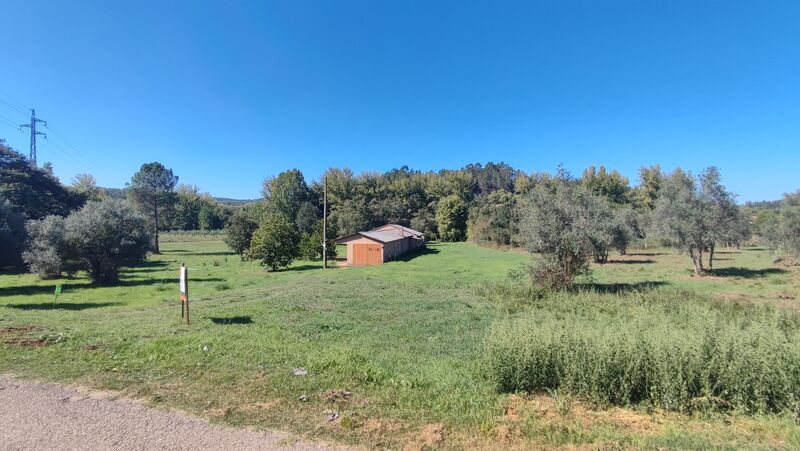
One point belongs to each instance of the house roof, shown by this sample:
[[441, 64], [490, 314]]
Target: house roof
[[382, 237], [403, 228]]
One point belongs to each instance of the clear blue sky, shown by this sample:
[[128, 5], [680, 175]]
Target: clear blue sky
[[226, 93]]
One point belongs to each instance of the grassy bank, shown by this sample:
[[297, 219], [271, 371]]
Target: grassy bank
[[396, 349]]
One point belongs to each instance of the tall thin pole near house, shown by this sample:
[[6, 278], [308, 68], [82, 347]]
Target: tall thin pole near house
[[32, 126], [325, 222]]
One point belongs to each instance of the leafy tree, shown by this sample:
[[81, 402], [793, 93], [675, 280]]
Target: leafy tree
[[286, 193], [152, 191], [650, 181], [185, 215], [451, 218], [105, 236], [311, 243], [275, 243], [351, 216], [47, 251], [239, 230], [85, 185], [602, 227], [425, 221], [721, 211], [680, 216], [306, 217], [557, 223], [612, 186], [12, 235], [636, 224], [783, 229], [494, 219], [33, 192], [492, 177]]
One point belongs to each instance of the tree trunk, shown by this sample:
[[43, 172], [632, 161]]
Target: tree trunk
[[697, 259], [155, 217], [711, 258]]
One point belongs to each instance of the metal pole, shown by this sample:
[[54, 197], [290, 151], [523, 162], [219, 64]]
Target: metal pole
[[325, 223]]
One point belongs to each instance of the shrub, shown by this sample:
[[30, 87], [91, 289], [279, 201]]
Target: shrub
[[275, 243], [311, 243], [12, 235], [451, 218], [665, 348], [106, 235], [239, 231], [47, 249], [562, 222]]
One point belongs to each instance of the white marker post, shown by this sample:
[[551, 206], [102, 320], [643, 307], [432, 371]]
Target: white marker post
[[184, 287]]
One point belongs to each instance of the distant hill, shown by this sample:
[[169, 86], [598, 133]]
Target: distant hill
[[119, 193], [228, 201]]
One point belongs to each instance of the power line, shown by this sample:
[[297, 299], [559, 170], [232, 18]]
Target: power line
[[10, 124], [20, 104], [9, 121], [68, 158], [13, 107], [64, 140], [74, 154]]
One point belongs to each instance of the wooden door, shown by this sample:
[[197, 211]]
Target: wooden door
[[367, 254]]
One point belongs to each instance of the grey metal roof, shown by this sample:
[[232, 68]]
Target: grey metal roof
[[383, 237], [404, 228]]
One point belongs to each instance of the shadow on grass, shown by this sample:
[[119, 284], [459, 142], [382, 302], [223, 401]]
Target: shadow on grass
[[212, 254], [306, 267], [746, 273], [231, 320], [630, 262], [427, 250], [30, 290], [63, 305], [620, 288], [646, 254]]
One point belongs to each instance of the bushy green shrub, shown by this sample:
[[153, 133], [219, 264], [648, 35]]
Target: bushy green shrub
[[106, 235], [665, 348], [275, 243], [47, 250]]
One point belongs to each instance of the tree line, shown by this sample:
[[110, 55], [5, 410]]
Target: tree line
[[569, 221]]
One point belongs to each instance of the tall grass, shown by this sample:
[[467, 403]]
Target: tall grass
[[185, 236], [667, 348]]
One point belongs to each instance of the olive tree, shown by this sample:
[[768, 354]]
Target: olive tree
[[105, 236], [783, 230], [47, 251], [557, 222], [721, 212]]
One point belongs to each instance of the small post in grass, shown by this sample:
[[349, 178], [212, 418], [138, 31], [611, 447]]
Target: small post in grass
[[184, 288], [56, 293]]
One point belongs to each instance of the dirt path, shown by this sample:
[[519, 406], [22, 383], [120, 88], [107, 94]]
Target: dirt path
[[50, 416]]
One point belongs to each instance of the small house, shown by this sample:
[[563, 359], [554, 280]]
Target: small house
[[380, 244]]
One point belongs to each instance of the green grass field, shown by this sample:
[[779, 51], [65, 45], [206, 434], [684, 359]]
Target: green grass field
[[395, 349]]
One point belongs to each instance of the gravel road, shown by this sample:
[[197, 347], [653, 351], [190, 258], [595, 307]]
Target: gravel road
[[51, 416]]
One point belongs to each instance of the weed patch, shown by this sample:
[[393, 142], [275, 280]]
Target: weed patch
[[668, 348]]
